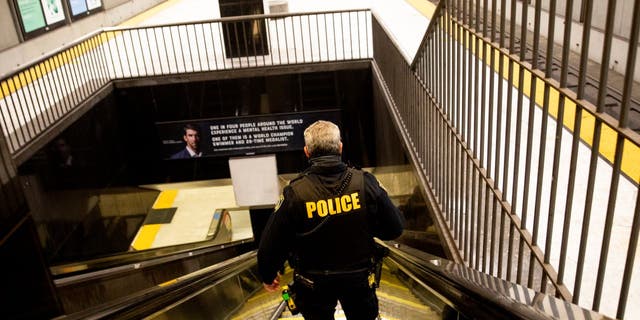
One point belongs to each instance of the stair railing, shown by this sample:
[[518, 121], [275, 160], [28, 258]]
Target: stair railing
[[518, 195]]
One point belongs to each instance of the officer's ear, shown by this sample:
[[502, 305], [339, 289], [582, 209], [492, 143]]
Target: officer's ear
[[306, 152], [340, 148]]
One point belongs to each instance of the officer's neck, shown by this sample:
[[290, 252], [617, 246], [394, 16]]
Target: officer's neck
[[327, 160]]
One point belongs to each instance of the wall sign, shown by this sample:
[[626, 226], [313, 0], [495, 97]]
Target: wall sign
[[94, 4], [78, 7], [53, 11], [246, 135], [31, 15], [39, 16], [82, 8]]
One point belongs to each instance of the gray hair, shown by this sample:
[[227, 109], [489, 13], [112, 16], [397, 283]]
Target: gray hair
[[322, 138]]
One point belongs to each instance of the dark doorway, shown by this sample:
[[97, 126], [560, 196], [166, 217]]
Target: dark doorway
[[247, 37]]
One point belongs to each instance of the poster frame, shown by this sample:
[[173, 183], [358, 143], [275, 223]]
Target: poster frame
[[19, 22], [169, 134], [85, 14]]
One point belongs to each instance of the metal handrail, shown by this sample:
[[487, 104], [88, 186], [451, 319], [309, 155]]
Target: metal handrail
[[39, 95], [437, 13], [484, 184], [145, 302], [47, 56], [72, 273], [233, 19], [477, 295]]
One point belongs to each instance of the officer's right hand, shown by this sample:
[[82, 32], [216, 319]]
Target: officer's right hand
[[274, 285]]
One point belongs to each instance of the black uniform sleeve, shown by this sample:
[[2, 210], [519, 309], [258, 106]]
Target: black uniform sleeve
[[388, 221], [276, 239]]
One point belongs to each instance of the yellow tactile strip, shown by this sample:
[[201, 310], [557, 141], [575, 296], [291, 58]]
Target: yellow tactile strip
[[425, 7], [26, 77], [149, 13], [147, 233], [608, 136]]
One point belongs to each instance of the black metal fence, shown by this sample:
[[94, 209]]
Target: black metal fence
[[508, 153], [36, 97], [532, 182]]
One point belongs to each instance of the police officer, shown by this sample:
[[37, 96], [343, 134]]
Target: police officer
[[324, 225]]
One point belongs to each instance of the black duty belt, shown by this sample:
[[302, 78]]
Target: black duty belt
[[333, 272]]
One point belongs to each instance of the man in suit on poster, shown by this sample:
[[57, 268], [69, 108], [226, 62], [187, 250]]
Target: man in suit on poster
[[191, 137]]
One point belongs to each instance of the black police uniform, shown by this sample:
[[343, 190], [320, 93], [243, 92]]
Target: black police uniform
[[324, 225]]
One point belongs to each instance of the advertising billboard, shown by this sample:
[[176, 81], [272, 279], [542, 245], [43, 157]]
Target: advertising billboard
[[234, 136]]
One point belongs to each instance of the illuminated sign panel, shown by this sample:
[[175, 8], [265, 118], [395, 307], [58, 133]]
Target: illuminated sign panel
[[53, 11], [37, 17], [31, 15], [78, 7], [94, 4], [83, 7]]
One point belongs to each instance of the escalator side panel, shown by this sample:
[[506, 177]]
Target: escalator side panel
[[215, 302], [83, 295]]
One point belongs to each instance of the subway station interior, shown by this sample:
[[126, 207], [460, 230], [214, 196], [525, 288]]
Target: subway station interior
[[507, 132]]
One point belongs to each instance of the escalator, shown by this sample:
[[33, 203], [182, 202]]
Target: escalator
[[395, 299], [87, 285], [415, 285]]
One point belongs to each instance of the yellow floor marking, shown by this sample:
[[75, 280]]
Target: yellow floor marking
[[149, 13], [147, 233], [26, 77], [165, 199], [405, 302], [258, 296], [608, 136], [631, 155], [254, 309], [395, 285], [145, 237], [425, 7]]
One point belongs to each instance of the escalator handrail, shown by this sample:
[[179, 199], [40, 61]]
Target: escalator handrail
[[279, 310], [89, 272], [145, 302], [72, 272], [479, 295]]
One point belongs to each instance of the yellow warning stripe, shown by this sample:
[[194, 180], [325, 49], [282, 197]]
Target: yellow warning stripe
[[149, 13], [26, 77], [608, 135], [386, 296], [397, 285], [168, 283], [259, 307], [147, 233], [165, 199], [425, 7], [259, 295]]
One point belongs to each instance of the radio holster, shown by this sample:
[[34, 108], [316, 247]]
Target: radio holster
[[375, 274], [288, 295]]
